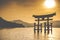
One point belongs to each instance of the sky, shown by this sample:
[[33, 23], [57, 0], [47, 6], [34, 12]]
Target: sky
[[24, 9]]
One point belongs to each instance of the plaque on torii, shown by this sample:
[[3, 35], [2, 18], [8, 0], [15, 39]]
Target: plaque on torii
[[47, 24]]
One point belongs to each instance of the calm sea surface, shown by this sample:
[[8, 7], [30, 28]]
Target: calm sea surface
[[28, 34]]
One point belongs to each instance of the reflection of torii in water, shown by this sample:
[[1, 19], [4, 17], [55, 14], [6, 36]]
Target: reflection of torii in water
[[47, 24]]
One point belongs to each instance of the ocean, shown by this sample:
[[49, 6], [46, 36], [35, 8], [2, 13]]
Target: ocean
[[28, 34]]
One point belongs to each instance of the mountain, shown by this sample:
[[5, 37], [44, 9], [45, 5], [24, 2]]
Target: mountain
[[56, 23], [24, 23], [8, 24], [19, 23]]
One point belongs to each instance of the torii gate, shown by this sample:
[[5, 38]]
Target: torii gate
[[47, 24]]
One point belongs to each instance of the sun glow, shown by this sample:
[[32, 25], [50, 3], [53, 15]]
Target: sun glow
[[49, 3]]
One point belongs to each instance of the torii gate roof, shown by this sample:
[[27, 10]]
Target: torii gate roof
[[44, 16]]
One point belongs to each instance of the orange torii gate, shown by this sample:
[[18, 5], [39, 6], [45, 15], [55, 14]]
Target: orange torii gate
[[47, 24]]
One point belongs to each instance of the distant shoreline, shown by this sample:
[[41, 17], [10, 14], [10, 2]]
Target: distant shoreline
[[23, 27]]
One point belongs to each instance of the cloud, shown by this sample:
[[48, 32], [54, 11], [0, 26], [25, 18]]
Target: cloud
[[3, 3], [27, 2]]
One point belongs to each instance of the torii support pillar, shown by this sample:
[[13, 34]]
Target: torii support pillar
[[46, 27], [37, 27]]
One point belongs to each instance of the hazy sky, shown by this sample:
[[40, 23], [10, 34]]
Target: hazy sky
[[24, 9]]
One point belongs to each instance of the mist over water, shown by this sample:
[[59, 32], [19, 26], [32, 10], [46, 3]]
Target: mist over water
[[28, 34]]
